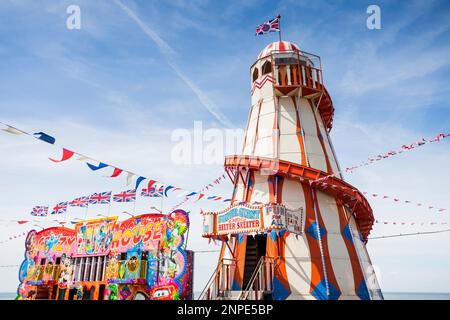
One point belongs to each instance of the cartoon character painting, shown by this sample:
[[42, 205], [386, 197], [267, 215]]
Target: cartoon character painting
[[142, 254]]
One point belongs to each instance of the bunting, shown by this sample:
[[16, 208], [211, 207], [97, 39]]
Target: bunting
[[100, 198], [403, 223], [405, 147], [125, 196], [81, 202], [67, 154], [39, 211], [60, 208]]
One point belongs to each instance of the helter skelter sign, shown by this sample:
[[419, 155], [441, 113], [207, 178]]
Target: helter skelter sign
[[239, 219], [245, 218]]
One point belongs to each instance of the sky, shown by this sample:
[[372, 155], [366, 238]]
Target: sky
[[136, 71]]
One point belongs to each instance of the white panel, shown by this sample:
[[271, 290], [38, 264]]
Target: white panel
[[288, 116], [312, 143], [264, 147], [265, 127], [267, 107], [333, 160], [293, 197], [340, 259], [289, 143], [368, 271], [290, 156], [298, 259], [250, 134], [239, 192], [298, 264], [261, 189]]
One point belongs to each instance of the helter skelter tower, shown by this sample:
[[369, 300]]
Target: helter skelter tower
[[294, 229]]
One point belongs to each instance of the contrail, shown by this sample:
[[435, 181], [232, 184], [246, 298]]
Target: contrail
[[166, 49]]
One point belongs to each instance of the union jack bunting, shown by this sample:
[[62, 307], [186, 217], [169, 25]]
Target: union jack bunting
[[269, 26], [100, 198], [125, 196], [82, 202], [39, 211], [153, 192], [60, 208]]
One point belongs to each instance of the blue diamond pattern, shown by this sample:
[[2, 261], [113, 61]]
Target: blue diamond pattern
[[320, 291], [346, 233], [312, 230]]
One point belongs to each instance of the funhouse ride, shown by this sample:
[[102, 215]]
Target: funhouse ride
[[140, 258]]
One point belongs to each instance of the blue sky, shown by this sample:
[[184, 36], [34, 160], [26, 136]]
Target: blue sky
[[116, 91]]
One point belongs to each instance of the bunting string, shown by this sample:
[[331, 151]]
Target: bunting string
[[68, 154], [14, 237], [408, 234], [403, 149], [96, 165], [438, 209], [403, 223]]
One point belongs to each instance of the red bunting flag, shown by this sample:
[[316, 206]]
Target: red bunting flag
[[116, 172], [67, 154]]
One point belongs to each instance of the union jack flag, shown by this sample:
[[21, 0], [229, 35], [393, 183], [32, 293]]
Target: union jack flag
[[269, 26], [82, 202], [125, 196], [153, 192], [100, 198], [60, 208], [40, 211]]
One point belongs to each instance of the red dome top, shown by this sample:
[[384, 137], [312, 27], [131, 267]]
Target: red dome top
[[279, 46]]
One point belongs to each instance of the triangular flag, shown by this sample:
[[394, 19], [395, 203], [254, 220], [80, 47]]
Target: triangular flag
[[138, 182], [12, 130], [116, 172], [129, 178], [101, 165], [44, 137], [167, 189], [67, 154]]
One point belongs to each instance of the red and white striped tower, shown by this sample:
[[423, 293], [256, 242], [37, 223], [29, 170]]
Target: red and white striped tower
[[295, 229]]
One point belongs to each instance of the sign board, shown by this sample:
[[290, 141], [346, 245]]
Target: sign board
[[239, 219]]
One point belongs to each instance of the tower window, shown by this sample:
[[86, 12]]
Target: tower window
[[266, 68], [255, 74]]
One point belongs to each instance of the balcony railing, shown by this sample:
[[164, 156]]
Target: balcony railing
[[298, 75]]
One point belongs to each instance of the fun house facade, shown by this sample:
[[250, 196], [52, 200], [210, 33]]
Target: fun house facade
[[103, 259]]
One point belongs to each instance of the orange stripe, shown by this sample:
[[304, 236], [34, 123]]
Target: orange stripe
[[319, 135], [239, 254], [271, 182], [356, 266], [280, 181], [250, 185], [326, 252], [299, 134], [317, 273]]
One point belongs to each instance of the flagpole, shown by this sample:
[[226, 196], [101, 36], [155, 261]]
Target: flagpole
[[279, 27]]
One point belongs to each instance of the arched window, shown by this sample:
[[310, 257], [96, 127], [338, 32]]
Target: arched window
[[255, 74], [266, 68]]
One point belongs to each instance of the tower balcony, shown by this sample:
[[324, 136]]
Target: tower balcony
[[296, 71]]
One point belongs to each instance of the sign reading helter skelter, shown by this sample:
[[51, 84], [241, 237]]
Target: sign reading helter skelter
[[246, 218], [290, 203]]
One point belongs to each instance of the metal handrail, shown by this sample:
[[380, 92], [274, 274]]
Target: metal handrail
[[255, 279], [215, 282]]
